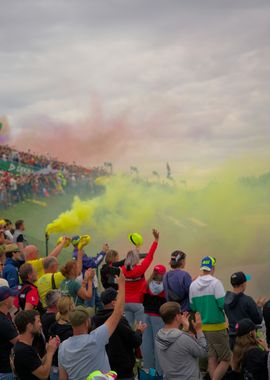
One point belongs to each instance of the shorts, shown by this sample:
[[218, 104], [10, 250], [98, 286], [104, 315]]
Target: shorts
[[218, 345]]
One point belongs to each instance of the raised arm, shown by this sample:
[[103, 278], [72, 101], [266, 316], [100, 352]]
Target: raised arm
[[58, 249]]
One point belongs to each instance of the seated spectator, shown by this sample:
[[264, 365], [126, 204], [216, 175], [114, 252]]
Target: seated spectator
[[84, 353], [178, 351], [28, 365], [72, 287], [238, 305], [111, 260], [123, 341], [48, 318], [153, 299], [18, 236], [207, 296], [177, 281], [12, 264], [250, 354], [61, 328], [8, 331]]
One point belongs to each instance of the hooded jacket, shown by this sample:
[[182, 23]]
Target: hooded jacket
[[207, 296], [178, 354], [10, 272], [120, 349], [239, 306]]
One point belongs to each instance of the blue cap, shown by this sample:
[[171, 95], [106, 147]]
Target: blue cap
[[75, 240], [6, 292], [208, 263]]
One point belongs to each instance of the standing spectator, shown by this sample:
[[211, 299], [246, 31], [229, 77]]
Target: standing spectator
[[266, 317], [207, 297], [48, 318], [134, 272], [8, 230], [27, 362], [239, 306], [177, 281], [179, 351], [123, 341], [8, 332], [153, 299], [12, 264], [250, 354], [84, 353], [111, 260], [18, 236]]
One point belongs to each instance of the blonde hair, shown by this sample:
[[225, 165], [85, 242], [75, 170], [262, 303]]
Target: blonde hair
[[131, 260], [110, 257], [65, 304]]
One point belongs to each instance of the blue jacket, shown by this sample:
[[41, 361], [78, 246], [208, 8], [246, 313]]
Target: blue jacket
[[176, 286], [10, 272], [89, 262]]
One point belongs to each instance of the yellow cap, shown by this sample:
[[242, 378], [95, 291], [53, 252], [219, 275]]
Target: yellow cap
[[60, 239], [135, 239]]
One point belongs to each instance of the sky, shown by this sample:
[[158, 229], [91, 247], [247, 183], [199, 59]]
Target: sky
[[137, 82]]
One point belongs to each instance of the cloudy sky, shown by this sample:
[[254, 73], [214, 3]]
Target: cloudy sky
[[137, 81]]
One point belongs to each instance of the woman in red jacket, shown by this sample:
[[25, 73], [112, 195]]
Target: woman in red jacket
[[134, 272]]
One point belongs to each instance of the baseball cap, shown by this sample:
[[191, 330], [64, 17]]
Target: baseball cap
[[160, 269], [12, 248], [239, 278], [108, 295], [4, 282], [75, 240], [208, 263], [6, 292], [244, 326], [79, 315]]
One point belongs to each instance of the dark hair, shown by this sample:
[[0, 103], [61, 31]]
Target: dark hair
[[177, 258], [24, 271], [168, 311], [18, 224], [23, 318]]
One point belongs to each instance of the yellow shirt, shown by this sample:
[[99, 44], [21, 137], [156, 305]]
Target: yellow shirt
[[44, 284], [38, 266]]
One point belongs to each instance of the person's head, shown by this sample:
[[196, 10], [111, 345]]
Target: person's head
[[208, 265], [158, 273], [69, 270], [132, 259], [239, 281], [13, 252], [108, 298], [65, 305], [50, 264], [245, 339], [171, 314], [31, 252], [28, 321], [3, 224], [19, 225], [178, 259], [80, 320], [111, 256], [9, 225], [51, 298], [6, 297], [27, 273]]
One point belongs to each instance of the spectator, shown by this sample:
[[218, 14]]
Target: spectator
[[8, 332], [12, 264], [8, 230], [48, 318], [266, 317], [153, 299], [238, 305], [28, 365], [123, 341], [250, 354], [61, 328], [177, 281], [111, 260], [72, 287], [207, 297], [179, 351], [84, 353], [18, 236], [135, 281]]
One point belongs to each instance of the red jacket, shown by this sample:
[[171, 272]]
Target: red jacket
[[135, 280]]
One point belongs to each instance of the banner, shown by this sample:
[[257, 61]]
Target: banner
[[17, 168]]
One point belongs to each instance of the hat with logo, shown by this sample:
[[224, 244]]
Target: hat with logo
[[239, 278], [208, 263], [244, 326]]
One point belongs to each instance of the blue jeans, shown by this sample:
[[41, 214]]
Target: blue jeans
[[95, 300], [54, 375], [134, 312], [150, 359], [6, 376]]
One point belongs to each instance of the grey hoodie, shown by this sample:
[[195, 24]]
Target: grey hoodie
[[178, 354]]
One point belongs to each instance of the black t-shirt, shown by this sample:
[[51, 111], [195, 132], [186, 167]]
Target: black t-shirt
[[47, 320], [64, 332], [26, 360], [7, 332], [255, 362]]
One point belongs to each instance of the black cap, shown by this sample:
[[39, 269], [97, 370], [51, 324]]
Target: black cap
[[244, 326], [239, 278], [108, 296]]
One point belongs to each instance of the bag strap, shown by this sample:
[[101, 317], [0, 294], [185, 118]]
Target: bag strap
[[53, 282]]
